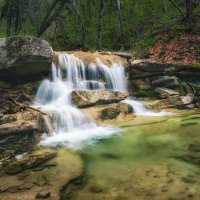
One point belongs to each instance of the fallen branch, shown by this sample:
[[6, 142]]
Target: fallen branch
[[29, 107]]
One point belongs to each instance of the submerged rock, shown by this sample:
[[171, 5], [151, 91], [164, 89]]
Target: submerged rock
[[24, 58], [29, 161], [86, 98], [59, 174]]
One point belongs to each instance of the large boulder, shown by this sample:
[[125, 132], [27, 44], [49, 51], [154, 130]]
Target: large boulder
[[86, 98], [24, 58]]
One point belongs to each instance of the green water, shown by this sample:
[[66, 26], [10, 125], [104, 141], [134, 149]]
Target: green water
[[144, 162]]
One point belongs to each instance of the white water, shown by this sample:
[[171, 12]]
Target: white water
[[141, 110], [66, 123], [69, 126]]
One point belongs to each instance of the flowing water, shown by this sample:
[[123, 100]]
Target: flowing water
[[68, 125], [151, 160], [140, 110], [144, 163]]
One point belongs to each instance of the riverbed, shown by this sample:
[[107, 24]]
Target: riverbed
[[150, 159]]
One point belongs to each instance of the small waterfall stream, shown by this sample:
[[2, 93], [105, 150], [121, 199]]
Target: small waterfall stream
[[68, 125]]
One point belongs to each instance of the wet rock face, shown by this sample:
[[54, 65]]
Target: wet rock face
[[24, 58], [86, 98], [114, 110]]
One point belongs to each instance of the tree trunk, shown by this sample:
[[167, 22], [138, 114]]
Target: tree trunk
[[101, 11], [179, 9], [190, 6], [50, 18]]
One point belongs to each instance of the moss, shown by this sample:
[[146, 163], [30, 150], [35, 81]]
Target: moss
[[14, 45], [36, 85], [145, 93], [193, 65]]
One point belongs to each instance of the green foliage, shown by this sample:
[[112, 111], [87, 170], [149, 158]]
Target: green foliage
[[140, 24]]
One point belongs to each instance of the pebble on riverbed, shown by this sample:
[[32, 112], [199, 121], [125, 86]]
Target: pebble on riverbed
[[43, 194]]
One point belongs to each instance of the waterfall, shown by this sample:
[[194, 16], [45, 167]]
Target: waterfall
[[69, 125]]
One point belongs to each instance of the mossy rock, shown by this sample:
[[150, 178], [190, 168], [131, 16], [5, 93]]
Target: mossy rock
[[24, 58]]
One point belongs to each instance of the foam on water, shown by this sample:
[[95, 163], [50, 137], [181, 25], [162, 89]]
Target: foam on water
[[140, 110], [79, 138]]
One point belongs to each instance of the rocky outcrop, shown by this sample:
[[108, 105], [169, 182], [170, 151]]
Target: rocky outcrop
[[86, 98], [24, 58], [20, 132], [149, 68], [149, 78]]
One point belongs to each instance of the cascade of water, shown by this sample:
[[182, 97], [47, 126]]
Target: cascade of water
[[140, 109], [69, 123]]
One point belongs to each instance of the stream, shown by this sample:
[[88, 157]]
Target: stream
[[150, 156], [147, 161]]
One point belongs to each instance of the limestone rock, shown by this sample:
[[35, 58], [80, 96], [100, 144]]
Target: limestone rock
[[165, 92], [187, 99], [29, 161], [86, 98], [113, 111], [24, 58], [20, 132], [17, 128], [145, 68], [165, 81]]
